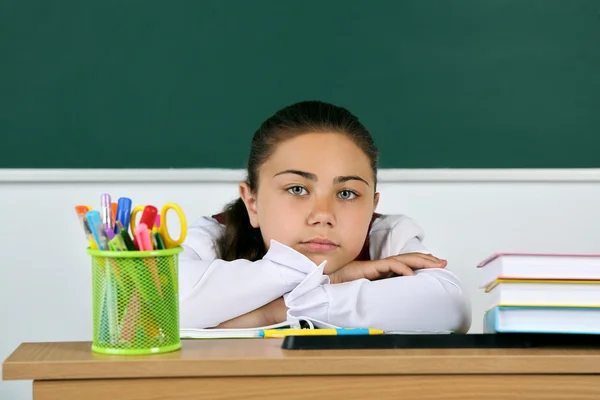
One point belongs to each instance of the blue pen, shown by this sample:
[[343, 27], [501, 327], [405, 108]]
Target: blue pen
[[123, 213], [95, 223]]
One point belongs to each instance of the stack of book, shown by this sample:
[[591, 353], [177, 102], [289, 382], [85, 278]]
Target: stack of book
[[542, 293]]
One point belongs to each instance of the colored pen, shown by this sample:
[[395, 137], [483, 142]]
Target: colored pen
[[106, 210], [160, 244], [95, 224], [278, 333], [149, 216], [109, 233], [116, 243], [123, 213], [125, 236], [142, 237], [113, 209], [81, 211]]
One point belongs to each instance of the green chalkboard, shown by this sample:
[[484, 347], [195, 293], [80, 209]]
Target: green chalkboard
[[184, 84]]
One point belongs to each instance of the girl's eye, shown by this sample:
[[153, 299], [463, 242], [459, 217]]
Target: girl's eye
[[347, 195], [297, 190]]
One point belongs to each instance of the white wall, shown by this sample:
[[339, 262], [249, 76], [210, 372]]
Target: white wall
[[467, 215]]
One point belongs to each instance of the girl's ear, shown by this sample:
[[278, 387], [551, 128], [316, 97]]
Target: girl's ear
[[249, 200], [375, 201]]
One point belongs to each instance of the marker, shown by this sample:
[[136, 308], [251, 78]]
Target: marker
[[142, 237], [95, 224], [123, 213], [113, 209], [160, 245], [106, 210], [116, 243], [149, 217], [125, 236], [156, 224], [81, 212], [279, 333], [109, 233]]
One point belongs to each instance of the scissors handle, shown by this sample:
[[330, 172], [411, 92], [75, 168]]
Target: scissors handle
[[163, 230], [134, 212]]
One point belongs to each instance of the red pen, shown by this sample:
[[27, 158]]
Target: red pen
[[149, 216], [148, 219]]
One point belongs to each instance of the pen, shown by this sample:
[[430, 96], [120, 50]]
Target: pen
[[279, 333], [142, 236], [81, 211], [123, 214], [127, 240], [160, 245], [106, 210], [95, 224], [149, 217], [115, 242], [113, 215]]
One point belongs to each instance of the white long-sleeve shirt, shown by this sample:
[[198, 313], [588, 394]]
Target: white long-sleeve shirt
[[213, 290]]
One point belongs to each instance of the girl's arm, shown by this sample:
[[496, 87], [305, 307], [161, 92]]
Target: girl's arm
[[432, 299], [213, 291]]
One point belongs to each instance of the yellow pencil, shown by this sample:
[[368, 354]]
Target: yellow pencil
[[279, 333]]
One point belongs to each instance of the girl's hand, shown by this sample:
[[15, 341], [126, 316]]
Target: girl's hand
[[402, 264], [269, 314]]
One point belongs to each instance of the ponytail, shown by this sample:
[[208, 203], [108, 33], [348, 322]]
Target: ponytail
[[240, 240]]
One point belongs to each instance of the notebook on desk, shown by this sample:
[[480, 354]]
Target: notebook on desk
[[215, 333], [302, 324]]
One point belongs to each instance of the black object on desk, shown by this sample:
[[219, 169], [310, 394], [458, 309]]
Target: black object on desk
[[445, 341]]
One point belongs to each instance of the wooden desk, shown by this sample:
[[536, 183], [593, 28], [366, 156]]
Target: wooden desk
[[258, 368]]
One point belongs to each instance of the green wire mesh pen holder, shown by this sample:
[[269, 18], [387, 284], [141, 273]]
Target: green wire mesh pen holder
[[135, 301]]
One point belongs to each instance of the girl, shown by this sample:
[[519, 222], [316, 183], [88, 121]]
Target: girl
[[303, 240]]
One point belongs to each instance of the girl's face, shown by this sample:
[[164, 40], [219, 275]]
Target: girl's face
[[316, 195]]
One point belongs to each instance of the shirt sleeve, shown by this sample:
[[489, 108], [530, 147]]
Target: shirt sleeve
[[212, 290], [431, 300]]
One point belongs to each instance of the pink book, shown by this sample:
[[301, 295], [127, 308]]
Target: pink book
[[521, 265]]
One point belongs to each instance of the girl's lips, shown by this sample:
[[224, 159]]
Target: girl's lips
[[320, 245]]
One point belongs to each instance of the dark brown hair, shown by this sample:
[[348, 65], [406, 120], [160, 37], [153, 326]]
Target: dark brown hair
[[241, 240]]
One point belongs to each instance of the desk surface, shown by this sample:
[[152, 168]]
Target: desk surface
[[264, 357]]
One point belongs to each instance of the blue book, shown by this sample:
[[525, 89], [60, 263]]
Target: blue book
[[542, 319]]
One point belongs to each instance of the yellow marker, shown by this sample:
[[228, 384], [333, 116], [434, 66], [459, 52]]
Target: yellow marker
[[279, 333]]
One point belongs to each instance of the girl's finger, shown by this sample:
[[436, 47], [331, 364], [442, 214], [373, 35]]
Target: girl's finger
[[398, 267], [428, 257], [417, 262], [433, 258]]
